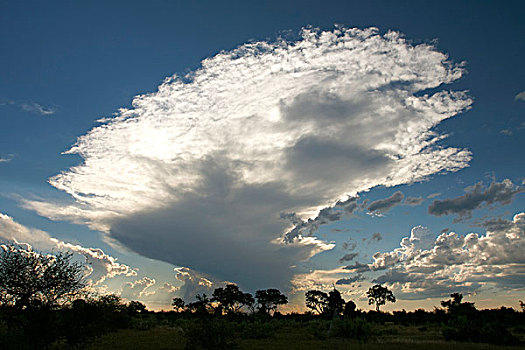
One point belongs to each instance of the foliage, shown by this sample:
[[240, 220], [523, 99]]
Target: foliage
[[32, 279], [379, 295], [464, 330], [316, 301], [201, 305], [335, 302], [456, 306], [350, 308], [231, 298], [209, 333], [134, 307], [178, 304], [269, 299], [258, 330], [357, 328]]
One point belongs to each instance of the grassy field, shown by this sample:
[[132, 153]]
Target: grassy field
[[295, 337]]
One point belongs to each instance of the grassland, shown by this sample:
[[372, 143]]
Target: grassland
[[295, 336]]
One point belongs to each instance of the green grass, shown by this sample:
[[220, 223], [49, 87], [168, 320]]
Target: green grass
[[290, 337]]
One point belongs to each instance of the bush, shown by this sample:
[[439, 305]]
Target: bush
[[208, 333], [144, 322], [258, 330], [462, 329], [358, 329]]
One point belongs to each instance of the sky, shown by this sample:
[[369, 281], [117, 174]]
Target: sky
[[177, 146]]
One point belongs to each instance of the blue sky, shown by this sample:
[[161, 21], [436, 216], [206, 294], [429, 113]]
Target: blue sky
[[65, 65]]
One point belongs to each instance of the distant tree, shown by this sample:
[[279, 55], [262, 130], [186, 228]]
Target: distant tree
[[455, 305], [335, 302], [29, 278], [178, 304], [522, 305], [379, 295], [110, 302], [231, 298], [136, 307], [269, 299], [316, 300], [350, 308], [201, 305]]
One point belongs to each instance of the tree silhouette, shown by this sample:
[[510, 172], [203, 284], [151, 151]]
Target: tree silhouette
[[335, 302], [136, 307], [270, 299], [350, 308], [455, 305], [231, 298], [379, 295], [29, 278], [316, 300], [178, 304], [201, 305]]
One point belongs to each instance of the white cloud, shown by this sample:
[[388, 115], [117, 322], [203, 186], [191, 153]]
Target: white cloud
[[100, 265], [34, 107], [520, 96], [198, 173], [6, 159], [456, 263]]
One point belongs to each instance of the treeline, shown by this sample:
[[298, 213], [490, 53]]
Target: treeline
[[43, 304]]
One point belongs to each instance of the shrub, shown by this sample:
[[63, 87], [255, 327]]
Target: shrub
[[462, 329], [358, 329], [258, 330], [210, 333]]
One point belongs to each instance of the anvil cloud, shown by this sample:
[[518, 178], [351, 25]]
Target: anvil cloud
[[205, 172]]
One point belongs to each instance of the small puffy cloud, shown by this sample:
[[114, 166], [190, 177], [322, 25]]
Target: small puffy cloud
[[103, 266], [198, 173], [381, 206], [433, 195], [100, 265], [520, 96], [34, 107], [413, 201], [455, 262], [506, 132], [475, 196], [137, 289]]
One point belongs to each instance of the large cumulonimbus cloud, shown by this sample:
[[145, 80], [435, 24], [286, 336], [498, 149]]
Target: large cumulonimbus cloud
[[200, 172]]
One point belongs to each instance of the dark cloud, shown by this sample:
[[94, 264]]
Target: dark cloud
[[357, 267], [414, 200], [376, 237], [345, 281], [350, 246], [498, 192], [348, 257], [384, 205], [496, 224], [204, 232], [308, 227]]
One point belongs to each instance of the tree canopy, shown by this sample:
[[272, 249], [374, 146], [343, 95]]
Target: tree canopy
[[29, 278], [269, 299], [231, 298], [379, 295]]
